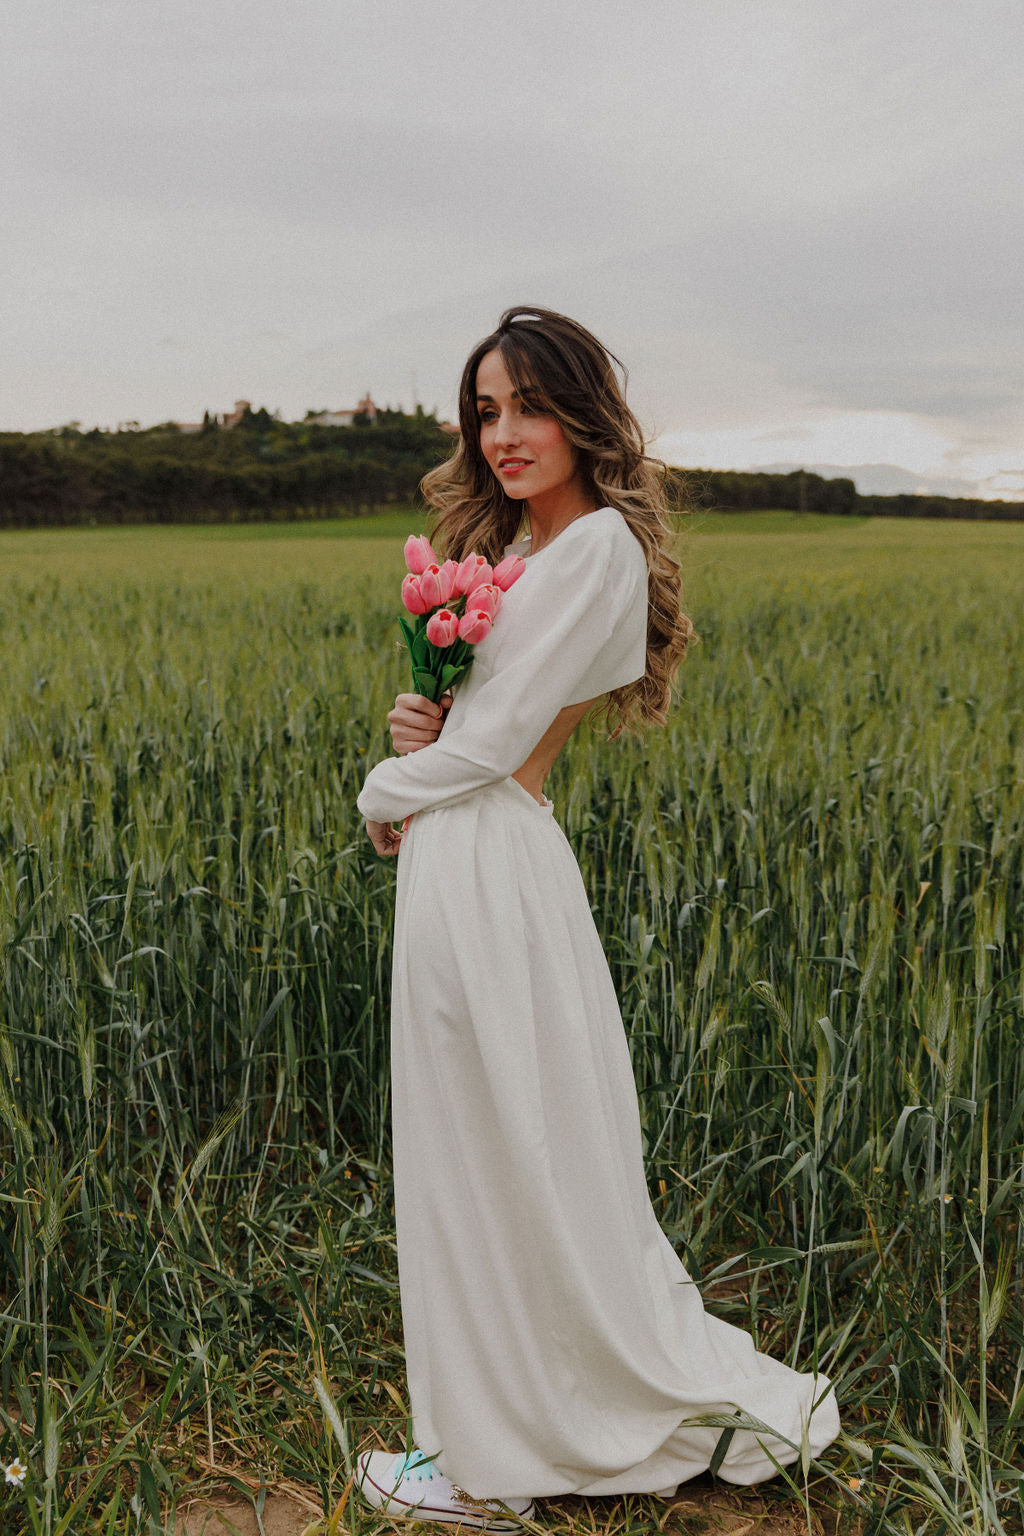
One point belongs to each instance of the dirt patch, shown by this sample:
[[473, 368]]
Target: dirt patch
[[702, 1508], [706, 1507], [231, 1516]]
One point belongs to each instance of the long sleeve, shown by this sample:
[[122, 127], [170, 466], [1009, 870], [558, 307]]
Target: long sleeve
[[574, 626]]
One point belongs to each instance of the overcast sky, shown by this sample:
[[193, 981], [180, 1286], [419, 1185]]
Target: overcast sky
[[799, 222]]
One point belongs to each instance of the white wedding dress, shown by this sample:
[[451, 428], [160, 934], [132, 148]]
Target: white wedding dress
[[554, 1341]]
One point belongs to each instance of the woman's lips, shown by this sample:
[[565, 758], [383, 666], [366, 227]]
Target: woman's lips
[[513, 466]]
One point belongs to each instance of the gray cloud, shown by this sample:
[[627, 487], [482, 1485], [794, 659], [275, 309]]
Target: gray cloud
[[763, 208]]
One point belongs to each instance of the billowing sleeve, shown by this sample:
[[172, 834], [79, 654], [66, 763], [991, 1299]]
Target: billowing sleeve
[[577, 628]]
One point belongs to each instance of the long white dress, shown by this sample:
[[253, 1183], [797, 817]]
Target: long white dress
[[554, 1342]]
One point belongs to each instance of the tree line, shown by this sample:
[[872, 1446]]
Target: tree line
[[260, 469], [802, 491], [264, 469]]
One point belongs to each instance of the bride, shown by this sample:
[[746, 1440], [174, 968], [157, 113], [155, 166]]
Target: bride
[[554, 1342]]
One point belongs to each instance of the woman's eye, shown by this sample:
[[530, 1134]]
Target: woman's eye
[[487, 415]]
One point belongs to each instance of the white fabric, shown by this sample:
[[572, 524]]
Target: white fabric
[[574, 626], [554, 1342]]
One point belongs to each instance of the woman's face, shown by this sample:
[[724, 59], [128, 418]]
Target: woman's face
[[527, 451]]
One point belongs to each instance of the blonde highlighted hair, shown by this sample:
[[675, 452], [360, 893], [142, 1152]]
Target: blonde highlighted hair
[[572, 377]]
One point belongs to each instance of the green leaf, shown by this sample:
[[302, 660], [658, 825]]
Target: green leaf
[[724, 1441], [148, 1488], [425, 683]]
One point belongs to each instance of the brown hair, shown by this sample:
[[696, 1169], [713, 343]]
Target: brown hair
[[571, 376]]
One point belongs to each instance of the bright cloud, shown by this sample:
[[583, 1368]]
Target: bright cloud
[[853, 440], [840, 437]]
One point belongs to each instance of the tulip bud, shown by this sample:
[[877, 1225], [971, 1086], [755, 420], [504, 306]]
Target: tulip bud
[[419, 553], [430, 586], [442, 628], [508, 571], [412, 596], [485, 599], [473, 572], [447, 579], [473, 627]]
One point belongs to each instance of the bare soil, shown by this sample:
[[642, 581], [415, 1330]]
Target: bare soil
[[703, 1508], [282, 1515]]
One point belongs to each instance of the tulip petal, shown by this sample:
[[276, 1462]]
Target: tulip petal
[[508, 571], [419, 553]]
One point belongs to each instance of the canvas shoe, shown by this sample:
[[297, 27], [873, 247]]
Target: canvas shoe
[[409, 1484]]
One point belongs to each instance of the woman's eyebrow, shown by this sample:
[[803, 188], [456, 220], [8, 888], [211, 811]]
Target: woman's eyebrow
[[528, 389]]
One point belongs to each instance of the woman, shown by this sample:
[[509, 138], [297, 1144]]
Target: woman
[[554, 1342]]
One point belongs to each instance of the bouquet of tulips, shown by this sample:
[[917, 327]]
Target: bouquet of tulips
[[453, 607]]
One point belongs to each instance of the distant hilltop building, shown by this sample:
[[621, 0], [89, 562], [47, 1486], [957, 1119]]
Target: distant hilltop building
[[228, 419], [231, 419], [365, 408]]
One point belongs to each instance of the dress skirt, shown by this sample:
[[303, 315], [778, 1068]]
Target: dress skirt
[[554, 1342]]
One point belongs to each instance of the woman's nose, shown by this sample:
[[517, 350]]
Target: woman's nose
[[508, 428]]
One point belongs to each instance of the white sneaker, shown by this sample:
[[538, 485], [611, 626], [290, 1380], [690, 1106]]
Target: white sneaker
[[409, 1484]]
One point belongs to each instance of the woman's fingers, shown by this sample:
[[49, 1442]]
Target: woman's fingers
[[384, 838], [408, 737], [415, 721], [414, 705]]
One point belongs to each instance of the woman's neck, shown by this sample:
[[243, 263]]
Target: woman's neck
[[549, 516]]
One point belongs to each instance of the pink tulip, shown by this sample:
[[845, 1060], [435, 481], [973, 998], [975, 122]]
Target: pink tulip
[[413, 597], [484, 600], [419, 553], [430, 586], [473, 572], [442, 628], [508, 571], [447, 579], [473, 627]]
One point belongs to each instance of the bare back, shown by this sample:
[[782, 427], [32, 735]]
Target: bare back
[[542, 759]]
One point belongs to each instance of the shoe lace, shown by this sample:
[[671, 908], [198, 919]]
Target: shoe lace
[[414, 1466]]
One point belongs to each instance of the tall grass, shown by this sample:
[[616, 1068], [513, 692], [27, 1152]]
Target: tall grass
[[809, 888]]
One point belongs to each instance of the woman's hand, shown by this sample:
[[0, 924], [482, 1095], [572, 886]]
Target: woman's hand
[[415, 722], [384, 838]]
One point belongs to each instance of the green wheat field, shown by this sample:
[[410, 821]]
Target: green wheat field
[[809, 888]]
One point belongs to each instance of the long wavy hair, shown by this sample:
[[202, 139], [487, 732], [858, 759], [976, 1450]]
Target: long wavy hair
[[573, 378]]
